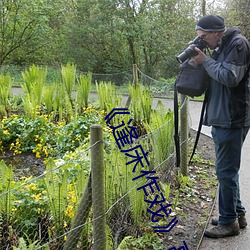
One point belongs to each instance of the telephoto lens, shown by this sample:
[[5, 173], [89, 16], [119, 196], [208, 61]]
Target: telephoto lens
[[190, 50]]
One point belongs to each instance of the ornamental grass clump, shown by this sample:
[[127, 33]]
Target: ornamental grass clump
[[107, 96], [160, 131], [68, 75], [83, 91], [33, 85], [141, 106], [5, 90]]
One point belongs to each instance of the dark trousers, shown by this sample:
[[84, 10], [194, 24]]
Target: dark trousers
[[228, 145]]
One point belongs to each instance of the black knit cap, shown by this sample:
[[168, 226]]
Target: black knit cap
[[210, 23]]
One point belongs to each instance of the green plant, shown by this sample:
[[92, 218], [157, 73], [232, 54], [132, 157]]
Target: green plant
[[141, 103], [6, 196], [29, 245], [118, 182], [58, 102], [166, 189], [42, 136], [176, 199], [183, 180], [5, 90], [107, 96], [160, 131], [30, 207], [68, 74], [83, 91], [34, 81], [48, 98], [56, 187], [149, 241]]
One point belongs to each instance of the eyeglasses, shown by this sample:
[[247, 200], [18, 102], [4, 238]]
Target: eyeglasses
[[203, 36]]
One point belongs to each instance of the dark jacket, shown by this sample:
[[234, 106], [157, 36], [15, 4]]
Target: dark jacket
[[229, 90]]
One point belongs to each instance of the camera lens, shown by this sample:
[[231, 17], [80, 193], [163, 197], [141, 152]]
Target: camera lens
[[190, 50], [187, 53]]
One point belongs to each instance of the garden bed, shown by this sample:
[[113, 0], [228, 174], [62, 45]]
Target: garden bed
[[53, 125]]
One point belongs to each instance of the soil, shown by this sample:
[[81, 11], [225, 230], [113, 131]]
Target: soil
[[25, 164], [196, 200]]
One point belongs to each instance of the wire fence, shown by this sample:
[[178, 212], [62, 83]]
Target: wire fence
[[159, 87], [55, 210]]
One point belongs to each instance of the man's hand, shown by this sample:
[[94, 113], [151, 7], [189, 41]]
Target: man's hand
[[200, 58]]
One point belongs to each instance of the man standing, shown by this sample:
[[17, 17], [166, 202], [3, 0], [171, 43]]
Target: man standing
[[228, 112]]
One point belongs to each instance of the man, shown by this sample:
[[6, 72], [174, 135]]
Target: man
[[228, 112]]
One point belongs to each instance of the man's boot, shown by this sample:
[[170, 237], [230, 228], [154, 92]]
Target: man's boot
[[221, 230], [241, 219]]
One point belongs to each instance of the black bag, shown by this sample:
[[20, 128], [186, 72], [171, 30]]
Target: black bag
[[192, 80]]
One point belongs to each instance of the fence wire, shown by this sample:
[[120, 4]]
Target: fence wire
[[45, 210]]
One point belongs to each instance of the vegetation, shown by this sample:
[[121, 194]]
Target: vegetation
[[107, 36], [52, 123], [52, 119]]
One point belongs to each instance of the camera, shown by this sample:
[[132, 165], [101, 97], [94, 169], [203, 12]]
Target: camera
[[190, 51]]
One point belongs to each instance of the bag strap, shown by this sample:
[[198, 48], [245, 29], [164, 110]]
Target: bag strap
[[176, 126], [199, 127]]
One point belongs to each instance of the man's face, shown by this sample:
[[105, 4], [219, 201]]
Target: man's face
[[211, 38]]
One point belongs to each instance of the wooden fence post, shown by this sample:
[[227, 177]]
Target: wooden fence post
[[135, 82], [98, 195], [135, 74]]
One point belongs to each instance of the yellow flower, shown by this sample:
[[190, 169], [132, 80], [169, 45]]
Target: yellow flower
[[37, 196], [103, 112], [45, 151], [16, 152], [73, 199], [69, 211], [14, 209], [6, 132], [31, 186], [38, 155]]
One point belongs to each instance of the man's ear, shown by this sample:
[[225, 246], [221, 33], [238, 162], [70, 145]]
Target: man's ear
[[219, 34]]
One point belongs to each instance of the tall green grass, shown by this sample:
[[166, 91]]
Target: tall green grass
[[141, 104], [161, 130], [33, 85], [5, 91], [107, 96], [83, 91]]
